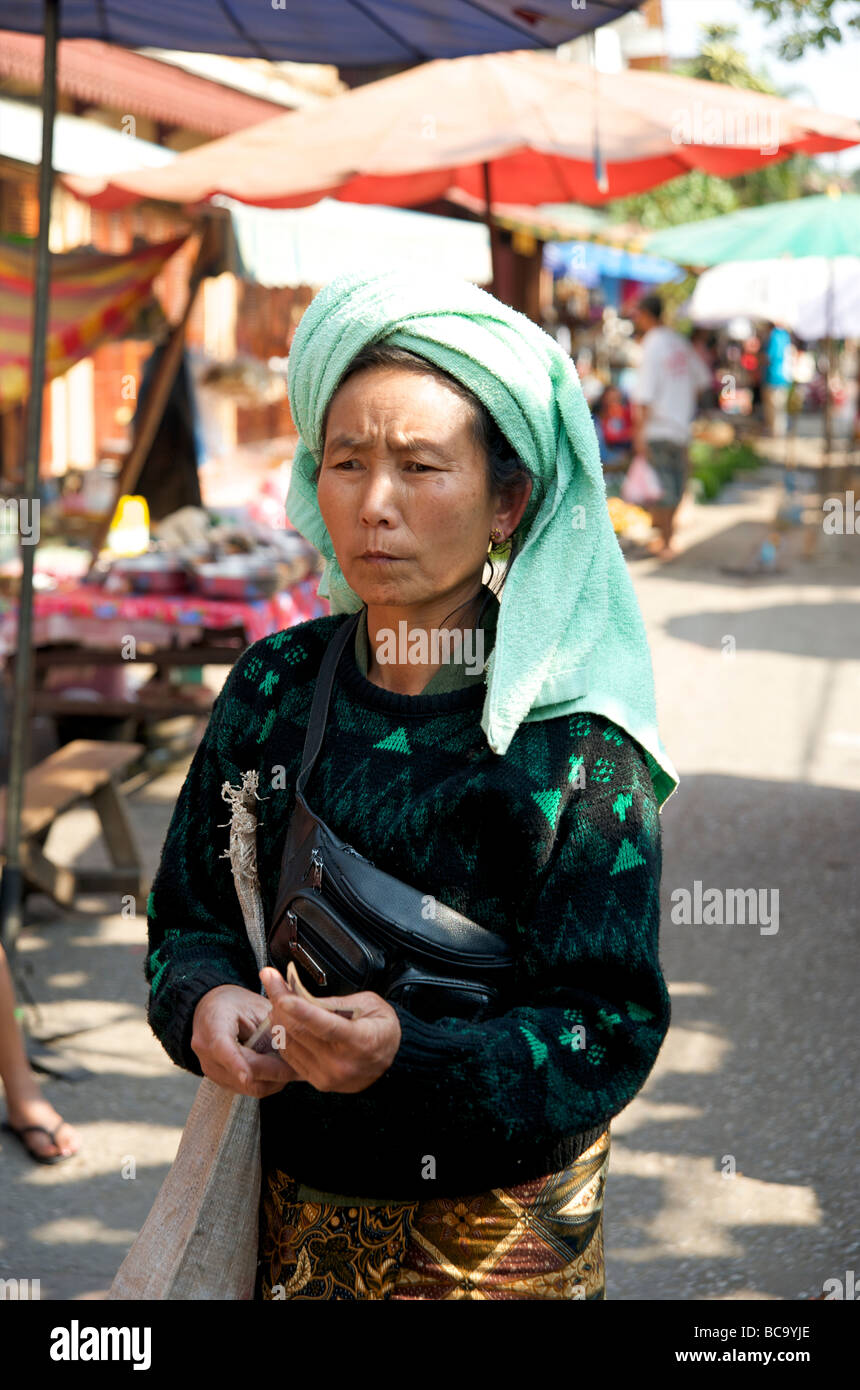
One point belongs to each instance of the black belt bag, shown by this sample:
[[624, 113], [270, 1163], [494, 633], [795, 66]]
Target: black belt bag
[[349, 926]]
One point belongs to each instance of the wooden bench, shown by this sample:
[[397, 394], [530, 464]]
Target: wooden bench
[[85, 770]]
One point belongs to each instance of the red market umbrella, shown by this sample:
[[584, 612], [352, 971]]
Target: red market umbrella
[[537, 129]]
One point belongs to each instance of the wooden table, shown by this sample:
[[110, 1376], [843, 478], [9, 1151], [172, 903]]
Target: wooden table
[[81, 771]]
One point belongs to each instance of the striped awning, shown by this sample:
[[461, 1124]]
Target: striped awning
[[94, 297]]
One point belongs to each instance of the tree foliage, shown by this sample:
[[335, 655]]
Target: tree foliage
[[695, 196], [813, 23], [720, 60]]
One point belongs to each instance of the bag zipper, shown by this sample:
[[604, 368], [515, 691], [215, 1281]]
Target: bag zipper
[[315, 867]]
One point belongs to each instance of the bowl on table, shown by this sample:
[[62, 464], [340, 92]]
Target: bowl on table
[[152, 573], [238, 577]]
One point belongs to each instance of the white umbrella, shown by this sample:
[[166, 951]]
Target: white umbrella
[[813, 296], [308, 246]]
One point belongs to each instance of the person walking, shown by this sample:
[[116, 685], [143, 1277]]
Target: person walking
[[778, 378], [407, 1157], [668, 381]]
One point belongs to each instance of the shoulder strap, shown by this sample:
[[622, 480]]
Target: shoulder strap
[[322, 697]]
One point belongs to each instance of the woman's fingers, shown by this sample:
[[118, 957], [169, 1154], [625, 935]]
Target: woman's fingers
[[241, 1068], [226, 1053], [330, 1051], [273, 982], [323, 1068], [310, 1021], [223, 1016], [302, 1060], [314, 1041], [277, 987], [246, 1084]]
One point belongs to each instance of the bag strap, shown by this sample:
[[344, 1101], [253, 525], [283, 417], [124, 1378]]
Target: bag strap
[[322, 698]]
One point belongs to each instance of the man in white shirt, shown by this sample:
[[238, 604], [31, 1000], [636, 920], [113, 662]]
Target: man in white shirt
[[668, 381]]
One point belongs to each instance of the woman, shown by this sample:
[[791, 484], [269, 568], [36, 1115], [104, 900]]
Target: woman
[[403, 1159]]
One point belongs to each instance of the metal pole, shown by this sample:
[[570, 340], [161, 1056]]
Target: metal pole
[[830, 349], [492, 229], [12, 882], [600, 176]]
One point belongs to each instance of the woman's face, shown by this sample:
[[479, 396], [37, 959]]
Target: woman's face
[[402, 473]]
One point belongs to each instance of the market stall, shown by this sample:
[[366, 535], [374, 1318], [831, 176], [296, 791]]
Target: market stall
[[111, 644], [183, 587]]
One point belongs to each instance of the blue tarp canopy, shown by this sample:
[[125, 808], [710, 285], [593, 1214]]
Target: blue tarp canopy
[[587, 261], [350, 33]]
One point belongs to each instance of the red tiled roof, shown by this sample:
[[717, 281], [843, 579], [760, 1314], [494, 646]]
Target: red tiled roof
[[105, 75]]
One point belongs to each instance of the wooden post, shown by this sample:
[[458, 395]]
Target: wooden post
[[492, 229], [11, 883]]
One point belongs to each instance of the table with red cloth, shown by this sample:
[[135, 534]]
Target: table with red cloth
[[85, 626]]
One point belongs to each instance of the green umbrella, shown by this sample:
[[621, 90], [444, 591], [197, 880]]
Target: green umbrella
[[591, 219], [821, 226]]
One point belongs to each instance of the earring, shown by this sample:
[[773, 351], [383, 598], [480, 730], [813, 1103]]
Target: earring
[[495, 535]]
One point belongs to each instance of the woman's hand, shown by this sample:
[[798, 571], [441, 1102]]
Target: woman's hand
[[224, 1017], [331, 1052]]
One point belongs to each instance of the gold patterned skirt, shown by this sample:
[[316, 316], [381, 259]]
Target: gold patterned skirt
[[540, 1239]]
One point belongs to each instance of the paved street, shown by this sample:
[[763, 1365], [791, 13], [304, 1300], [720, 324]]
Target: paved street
[[757, 1064], [759, 693]]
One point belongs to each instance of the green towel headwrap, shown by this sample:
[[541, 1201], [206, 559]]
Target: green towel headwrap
[[570, 635]]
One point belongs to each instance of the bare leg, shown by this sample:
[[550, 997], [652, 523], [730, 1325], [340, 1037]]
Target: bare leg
[[664, 520], [24, 1100]]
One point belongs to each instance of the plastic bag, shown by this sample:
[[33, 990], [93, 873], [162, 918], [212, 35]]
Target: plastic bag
[[641, 484]]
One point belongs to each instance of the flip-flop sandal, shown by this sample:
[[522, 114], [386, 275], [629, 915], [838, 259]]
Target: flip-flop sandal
[[31, 1129]]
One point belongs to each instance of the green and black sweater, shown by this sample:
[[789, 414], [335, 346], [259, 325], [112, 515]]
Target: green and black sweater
[[556, 845]]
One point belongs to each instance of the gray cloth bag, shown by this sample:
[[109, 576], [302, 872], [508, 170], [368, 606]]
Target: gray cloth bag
[[200, 1238]]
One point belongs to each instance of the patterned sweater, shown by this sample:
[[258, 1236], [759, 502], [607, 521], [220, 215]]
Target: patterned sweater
[[556, 846]]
